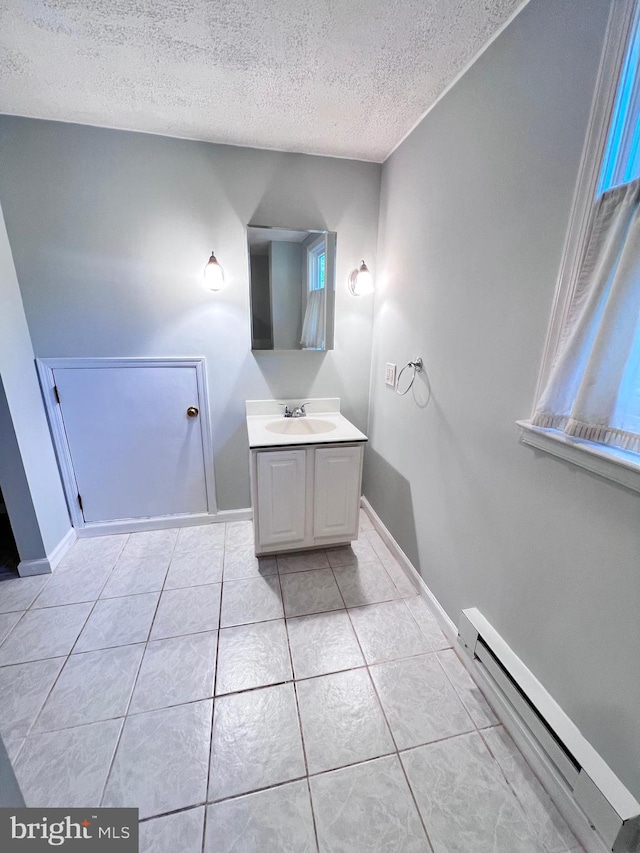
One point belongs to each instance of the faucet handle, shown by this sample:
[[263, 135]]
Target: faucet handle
[[299, 411], [287, 411]]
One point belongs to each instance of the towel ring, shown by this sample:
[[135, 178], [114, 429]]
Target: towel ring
[[416, 364]]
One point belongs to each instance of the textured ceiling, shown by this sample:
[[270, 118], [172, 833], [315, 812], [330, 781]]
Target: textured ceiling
[[338, 77]]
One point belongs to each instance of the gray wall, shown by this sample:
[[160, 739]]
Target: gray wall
[[261, 302], [285, 275], [110, 233], [474, 210], [29, 475]]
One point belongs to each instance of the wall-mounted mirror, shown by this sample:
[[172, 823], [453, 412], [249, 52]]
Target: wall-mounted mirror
[[292, 284]]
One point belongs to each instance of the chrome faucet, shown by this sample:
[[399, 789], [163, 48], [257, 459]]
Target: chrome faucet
[[296, 412]]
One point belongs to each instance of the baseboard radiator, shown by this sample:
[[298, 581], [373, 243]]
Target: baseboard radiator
[[610, 808]]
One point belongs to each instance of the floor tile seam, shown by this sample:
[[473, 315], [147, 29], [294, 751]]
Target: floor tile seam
[[397, 754], [259, 790], [33, 734], [215, 682], [358, 564], [93, 599], [173, 811], [372, 542], [459, 692], [162, 591], [106, 581], [17, 609], [306, 777], [313, 815], [47, 697], [473, 727], [121, 646], [393, 740], [295, 692], [449, 681], [163, 588], [84, 624], [204, 830], [12, 629], [399, 591], [311, 551], [292, 680], [400, 657], [197, 550], [34, 660], [245, 624], [305, 571], [531, 823], [370, 603], [414, 799], [135, 684], [299, 717], [405, 749]]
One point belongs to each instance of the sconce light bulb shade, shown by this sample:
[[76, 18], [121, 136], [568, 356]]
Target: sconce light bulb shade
[[361, 281], [214, 274]]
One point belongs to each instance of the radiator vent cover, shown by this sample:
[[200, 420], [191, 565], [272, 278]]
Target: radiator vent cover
[[607, 803]]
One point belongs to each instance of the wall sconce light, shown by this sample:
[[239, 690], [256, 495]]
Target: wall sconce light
[[361, 281], [213, 273]]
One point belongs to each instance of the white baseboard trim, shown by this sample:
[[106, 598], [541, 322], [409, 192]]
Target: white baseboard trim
[[235, 514], [447, 625], [45, 565], [538, 761], [135, 525]]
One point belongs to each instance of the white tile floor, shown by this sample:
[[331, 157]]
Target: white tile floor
[[292, 705]]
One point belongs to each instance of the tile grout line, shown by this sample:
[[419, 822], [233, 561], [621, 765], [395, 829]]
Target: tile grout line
[[397, 752], [213, 698], [69, 653], [135, 683], [295, 694], [529, 819]]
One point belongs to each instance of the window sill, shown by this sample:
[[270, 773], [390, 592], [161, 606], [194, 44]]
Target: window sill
[[621, 466]]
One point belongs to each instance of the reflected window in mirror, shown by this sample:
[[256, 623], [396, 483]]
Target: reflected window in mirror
[[292, 288]]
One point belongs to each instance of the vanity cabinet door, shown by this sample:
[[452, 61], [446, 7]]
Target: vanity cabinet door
[[337, 491], [281, 485]]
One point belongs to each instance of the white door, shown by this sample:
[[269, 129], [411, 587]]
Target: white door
[[281, 477], [337, 491], [135, 451]]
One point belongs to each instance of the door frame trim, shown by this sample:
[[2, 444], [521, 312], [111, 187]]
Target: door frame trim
[[46, 367]]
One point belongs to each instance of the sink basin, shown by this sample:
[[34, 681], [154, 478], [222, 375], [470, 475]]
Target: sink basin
[[300, 426]]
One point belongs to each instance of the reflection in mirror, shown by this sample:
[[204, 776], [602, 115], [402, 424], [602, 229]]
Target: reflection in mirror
[[292, 285]]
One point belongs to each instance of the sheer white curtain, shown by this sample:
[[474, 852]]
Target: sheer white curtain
[[313, 326], [593, 391]]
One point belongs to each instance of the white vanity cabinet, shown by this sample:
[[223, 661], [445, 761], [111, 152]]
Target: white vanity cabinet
[[306, 497]]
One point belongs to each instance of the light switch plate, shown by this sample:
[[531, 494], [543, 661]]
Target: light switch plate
[[390, 374]]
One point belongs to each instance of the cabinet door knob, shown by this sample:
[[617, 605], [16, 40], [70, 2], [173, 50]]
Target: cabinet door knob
[[192, 412]]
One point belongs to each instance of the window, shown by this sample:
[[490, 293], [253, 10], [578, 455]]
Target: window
[[588, 399], [621, 162], [317, 265], [314, 321]]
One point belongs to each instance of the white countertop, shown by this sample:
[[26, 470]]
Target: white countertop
[[261, 413]]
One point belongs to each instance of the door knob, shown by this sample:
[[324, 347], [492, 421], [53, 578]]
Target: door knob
[[192, 412]]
